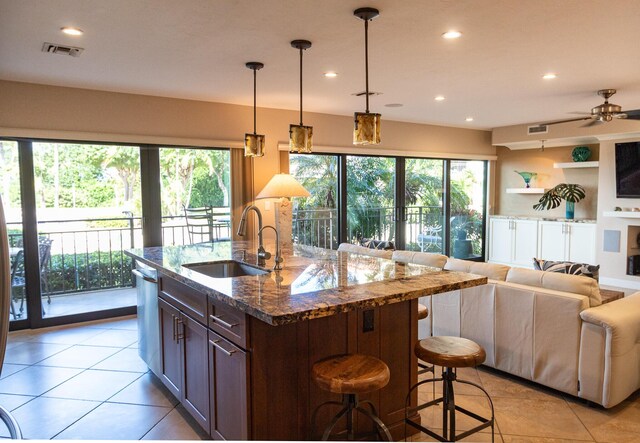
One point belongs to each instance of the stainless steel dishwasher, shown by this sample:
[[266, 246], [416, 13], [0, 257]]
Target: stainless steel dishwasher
[[148, 321]]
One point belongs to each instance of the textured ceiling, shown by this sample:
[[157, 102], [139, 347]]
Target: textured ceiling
[[196, 49]]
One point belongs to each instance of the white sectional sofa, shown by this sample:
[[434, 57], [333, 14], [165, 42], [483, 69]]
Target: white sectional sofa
[[546, 327]]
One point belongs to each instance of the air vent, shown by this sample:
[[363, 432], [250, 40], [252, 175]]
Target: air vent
[[363, 93], [538, 129], [54, 48]]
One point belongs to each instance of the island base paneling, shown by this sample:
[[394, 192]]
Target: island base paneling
[[284, 396]]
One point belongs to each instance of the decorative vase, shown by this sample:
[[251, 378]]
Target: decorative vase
[[581, 153], [570, 209], [527, 176]]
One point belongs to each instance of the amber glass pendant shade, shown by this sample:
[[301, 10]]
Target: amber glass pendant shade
[[253, 145], [367, 128], [300, 139]]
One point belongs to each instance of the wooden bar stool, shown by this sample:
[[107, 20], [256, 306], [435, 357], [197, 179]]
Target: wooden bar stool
[[350, 375], [450, 353]]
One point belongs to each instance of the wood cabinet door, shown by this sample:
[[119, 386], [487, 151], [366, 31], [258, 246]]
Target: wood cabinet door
[[582, 242], [500, 240], [552, 240], [171, 371], [195, 369], [229, 388], [525, 242]]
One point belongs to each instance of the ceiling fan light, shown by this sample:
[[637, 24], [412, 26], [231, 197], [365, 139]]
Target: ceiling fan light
[[300, 139], [367, 128], [253, 145]]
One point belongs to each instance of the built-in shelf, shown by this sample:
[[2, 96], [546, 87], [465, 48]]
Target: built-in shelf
[[622, 214], [526, 190], [570, 165]]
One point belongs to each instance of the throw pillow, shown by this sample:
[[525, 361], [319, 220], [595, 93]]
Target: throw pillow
[[567, 267]]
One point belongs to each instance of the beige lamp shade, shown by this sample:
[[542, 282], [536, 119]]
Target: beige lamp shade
[[283, 185], [300, 139], [367, 129], [253, 145]]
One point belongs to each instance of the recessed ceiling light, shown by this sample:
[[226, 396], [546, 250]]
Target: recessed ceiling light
[[468, 119], [394, 105], [439, 98], [549, 76], [452, 34], [331, 74], [72, 31]]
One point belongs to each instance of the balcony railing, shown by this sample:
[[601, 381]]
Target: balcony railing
[[88, 254]]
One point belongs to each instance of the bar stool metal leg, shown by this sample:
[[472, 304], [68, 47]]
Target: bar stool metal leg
[[351, 404], [11, 423]]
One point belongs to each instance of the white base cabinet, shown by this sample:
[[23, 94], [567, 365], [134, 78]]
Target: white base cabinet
[[515, 242]]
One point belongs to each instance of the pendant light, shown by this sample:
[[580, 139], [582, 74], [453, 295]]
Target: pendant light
[[367, 125], [300, 136], [254, 143]]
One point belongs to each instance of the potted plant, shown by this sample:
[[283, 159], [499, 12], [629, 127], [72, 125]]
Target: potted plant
[[551, 199]]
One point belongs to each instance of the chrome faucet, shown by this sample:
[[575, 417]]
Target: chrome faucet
[[263, 255], [278, 257]]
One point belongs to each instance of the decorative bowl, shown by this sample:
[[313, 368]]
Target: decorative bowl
[[526, 176], [581, 153]]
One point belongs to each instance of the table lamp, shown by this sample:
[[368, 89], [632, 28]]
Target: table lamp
[[283, 186]]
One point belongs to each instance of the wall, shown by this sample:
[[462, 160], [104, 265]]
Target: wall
[[533, 160], [613, 265], [32, 110]]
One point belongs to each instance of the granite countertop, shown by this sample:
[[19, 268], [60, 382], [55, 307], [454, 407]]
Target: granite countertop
[[540, 218], [314, 282]]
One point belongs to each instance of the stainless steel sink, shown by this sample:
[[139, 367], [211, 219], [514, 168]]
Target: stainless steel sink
[[225, 269]]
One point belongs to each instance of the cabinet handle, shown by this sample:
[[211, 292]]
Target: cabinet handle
[[179, 335], [215, 343], [217, 319], [175, 329]]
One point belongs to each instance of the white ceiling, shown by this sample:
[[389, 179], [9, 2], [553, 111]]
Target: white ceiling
[[196, 49]]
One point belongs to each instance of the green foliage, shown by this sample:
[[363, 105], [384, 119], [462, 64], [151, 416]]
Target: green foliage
[[564, 191], [83, 272]]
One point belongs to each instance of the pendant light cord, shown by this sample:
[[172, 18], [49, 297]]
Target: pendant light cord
[[301, 86], [366, 61], [254, 102]]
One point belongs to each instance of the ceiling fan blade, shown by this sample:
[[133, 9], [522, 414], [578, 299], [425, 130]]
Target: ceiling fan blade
[[564, 121], [593, 123], [633, 115]]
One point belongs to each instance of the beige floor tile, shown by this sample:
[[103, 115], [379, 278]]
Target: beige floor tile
[[147, 390], [65, 335], [432, 416], [538, 418], [43, 417], [93, 385], [500, 384], [113, 337], [115, 421], [29, 353], [35, 380], [177, 425], [79, 356], [478, 437], [521, 439], [12, 402], [129, 323], [620, 424], [9, 369], [124, 360]]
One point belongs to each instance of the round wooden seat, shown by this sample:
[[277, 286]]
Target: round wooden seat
[[423, 312], [351, 374], [450, 352]]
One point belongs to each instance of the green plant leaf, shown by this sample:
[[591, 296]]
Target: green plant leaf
[[549, 200], [570, 192]]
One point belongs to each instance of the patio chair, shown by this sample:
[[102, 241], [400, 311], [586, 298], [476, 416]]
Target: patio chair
[[18, 277], [199, 223]]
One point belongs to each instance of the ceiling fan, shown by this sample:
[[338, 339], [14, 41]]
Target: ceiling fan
[[602, 113]]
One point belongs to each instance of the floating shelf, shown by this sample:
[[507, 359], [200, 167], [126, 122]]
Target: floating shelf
[[622, 214], [526, 190], [571, 165]]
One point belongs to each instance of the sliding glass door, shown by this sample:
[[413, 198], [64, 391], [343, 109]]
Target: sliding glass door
[[467, 214]]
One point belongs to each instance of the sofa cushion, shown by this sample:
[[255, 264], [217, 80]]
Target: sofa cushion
[[567, 267], [420, 258], [348, 247], [559, 282], [489, 270]]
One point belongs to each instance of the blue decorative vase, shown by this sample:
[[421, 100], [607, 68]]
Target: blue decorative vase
[[570, 209], [581, 153]]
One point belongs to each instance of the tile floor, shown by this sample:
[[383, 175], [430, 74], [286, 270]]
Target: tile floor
[[87, 382]]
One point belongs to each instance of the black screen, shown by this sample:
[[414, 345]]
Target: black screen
[[628, 170]]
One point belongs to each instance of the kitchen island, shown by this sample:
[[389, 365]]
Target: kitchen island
[[237, 351]]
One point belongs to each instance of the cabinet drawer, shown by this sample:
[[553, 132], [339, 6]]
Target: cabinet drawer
[[185, 298], [229, 322]]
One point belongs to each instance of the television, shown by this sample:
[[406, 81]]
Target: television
[[628, 170]]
